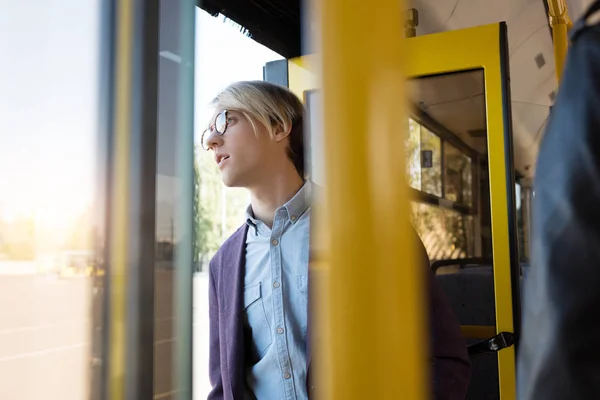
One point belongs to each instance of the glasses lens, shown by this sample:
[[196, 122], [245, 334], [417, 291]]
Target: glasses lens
[[204, 139], [221, 123]]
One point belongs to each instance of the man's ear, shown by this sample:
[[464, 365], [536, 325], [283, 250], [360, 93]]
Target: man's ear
[[280, 133]]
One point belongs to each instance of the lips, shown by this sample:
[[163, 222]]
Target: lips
[[220, 158]]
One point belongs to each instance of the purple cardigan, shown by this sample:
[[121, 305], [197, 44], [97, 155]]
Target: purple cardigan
[[450, 361]]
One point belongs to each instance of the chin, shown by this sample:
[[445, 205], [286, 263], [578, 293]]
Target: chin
[[230, 184], [230, 180]]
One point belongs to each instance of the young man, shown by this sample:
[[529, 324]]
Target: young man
[[258, 286]]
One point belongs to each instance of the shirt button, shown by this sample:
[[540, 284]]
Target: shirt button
[[287, 375], [276, 284], [280, 330], [293, 217], [275, 242]]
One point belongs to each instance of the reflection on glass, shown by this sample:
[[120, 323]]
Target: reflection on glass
[[170, 189], [48, 143], [457, 176], [423, 158], [451, 208], [446, 234]]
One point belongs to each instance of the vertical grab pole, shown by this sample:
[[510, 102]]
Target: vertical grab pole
[[374, 325], [561, 46], [560, 23]]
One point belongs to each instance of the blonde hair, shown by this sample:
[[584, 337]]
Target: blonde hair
[[272, 106]]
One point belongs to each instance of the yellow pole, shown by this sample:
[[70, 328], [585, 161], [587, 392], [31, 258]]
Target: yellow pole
[[561, 45], [374, 328], [560, 23]]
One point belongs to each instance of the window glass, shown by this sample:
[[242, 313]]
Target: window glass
[[446, 234], [431, 165], [423, 159], [51, 214]]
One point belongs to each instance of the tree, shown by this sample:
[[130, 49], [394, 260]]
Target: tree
[[207, 189], [19, 240], [197, 217]]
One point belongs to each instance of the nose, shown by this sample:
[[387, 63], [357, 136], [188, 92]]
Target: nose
[[212, 139]]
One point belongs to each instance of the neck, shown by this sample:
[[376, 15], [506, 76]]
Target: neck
[[274, 192]]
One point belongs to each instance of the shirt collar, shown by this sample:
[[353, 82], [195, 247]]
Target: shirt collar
[[294, 208]]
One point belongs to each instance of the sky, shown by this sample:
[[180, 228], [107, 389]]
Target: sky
[[49, 102]]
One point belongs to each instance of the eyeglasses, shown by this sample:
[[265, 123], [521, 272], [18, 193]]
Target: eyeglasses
[[219, 127]]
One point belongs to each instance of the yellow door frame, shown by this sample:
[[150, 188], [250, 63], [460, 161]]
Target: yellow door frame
[[474, 48]]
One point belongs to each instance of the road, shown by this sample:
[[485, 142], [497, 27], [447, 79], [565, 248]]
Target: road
[[45, 325]]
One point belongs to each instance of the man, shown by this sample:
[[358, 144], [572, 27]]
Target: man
[[258, 286], [558, 356]]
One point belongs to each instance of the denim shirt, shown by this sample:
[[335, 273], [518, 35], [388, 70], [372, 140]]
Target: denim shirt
[[276, 301]]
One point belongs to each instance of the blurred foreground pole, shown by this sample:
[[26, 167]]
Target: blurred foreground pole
[[370, 309]]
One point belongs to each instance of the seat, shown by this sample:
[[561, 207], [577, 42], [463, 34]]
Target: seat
[[470, 292]]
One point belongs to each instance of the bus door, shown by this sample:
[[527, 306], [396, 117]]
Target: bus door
[[460, 167]]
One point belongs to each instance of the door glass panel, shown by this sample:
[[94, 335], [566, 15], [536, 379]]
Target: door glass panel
[[458, 225], [174, 191], [451, 108], [51, 214]]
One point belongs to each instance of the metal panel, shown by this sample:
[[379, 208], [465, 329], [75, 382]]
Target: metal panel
[[276, 72]]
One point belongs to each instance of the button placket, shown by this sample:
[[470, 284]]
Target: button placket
[[279, 313]]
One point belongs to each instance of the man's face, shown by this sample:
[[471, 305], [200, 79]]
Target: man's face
[[243, 156]]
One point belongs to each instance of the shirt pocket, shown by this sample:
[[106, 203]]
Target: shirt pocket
[[302, 282], [257, 322]]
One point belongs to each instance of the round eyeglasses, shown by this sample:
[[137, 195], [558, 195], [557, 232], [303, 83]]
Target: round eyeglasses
[[219, 127]]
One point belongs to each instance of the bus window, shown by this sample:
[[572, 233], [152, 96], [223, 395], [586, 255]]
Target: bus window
[[457, 176], [446, 234], [423, 159]]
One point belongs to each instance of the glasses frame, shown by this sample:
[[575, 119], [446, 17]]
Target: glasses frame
[[213, 128]]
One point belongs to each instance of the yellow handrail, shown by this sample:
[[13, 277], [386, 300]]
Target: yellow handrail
[[560, 23]]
